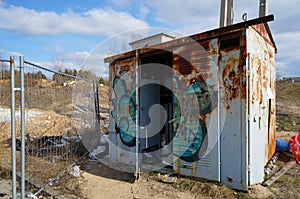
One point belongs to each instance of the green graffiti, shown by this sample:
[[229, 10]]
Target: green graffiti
[[124, 112], [189, 140], [199, 88]]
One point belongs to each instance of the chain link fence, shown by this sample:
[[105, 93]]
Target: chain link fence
[[58, 109]]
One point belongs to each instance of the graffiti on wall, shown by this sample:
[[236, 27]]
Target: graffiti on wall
[[192, 137], [190, 134], [124, 112]]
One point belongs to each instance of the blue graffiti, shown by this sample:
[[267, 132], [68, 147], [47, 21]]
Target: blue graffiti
[[187, 141], [200, 89], [124, 112]]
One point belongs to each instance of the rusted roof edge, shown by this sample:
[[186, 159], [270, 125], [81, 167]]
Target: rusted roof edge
[[271, 36], [198, 37]]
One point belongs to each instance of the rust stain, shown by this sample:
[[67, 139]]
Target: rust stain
[[242, 66], [193, 61], [261, 29], [126, 65], [258, 95], [262, 77], [272, 132], [233, 82], [272, 122]]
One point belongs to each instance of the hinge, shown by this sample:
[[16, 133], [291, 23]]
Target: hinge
[[248, 73]]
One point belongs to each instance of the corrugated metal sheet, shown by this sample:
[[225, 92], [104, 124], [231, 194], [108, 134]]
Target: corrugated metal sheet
[[198, 63]]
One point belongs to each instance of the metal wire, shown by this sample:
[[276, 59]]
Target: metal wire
[[52, 114]]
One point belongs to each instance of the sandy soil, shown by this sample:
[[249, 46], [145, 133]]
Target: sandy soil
[[100, 181]]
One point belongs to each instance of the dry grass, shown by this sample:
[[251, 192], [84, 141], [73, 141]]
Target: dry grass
[[288, 106]]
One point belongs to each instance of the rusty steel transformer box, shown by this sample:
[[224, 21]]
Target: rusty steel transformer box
[[215, 93]]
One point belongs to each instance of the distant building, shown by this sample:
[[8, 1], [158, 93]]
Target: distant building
[[292, 79]]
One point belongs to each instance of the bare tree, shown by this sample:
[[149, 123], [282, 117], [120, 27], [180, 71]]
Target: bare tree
[[58, 65], [80, 61], [59, 62], [2, 67], [278, 75]]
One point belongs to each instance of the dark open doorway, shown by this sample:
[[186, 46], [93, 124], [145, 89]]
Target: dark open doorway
[[153, 92]]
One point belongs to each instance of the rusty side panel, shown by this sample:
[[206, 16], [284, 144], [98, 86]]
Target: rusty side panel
[[197, 62], [233, 61], [261, 29], [263, 79], [233, 87]]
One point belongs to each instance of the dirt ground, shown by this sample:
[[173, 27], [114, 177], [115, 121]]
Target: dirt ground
[[98, 181]]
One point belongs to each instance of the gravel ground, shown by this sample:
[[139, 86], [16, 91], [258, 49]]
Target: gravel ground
[[5, 188]]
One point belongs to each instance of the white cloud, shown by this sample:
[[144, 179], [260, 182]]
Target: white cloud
[[121, 3], [187, 16], [92, 22], [288, 59], [143, 11], [84, 57], [288, 45], [16, 54], [77, 55]]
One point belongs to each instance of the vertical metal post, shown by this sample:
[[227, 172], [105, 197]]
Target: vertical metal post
[[137, 142], [229, 12], [222, 13], [22, 105], [13, 128], [263, 8], [226, 13]]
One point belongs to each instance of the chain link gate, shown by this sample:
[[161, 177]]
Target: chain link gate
[[46, 125]]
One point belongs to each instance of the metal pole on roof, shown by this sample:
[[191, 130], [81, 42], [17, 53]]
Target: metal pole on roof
[[226, 13], [229, 12], [13, 128], [22, 106], [222, 13], [263, 8]]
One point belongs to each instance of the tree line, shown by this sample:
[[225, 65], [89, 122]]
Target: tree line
[[59, 78]]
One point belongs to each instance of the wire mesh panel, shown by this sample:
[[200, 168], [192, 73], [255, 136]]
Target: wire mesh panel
[[5, 150], [53, 141], [61, 126]]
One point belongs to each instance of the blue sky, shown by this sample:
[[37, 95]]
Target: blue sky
[[48, 30]]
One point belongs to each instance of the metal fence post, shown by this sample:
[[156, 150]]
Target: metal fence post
[[22, 105], [13, 127], [137, 138]]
